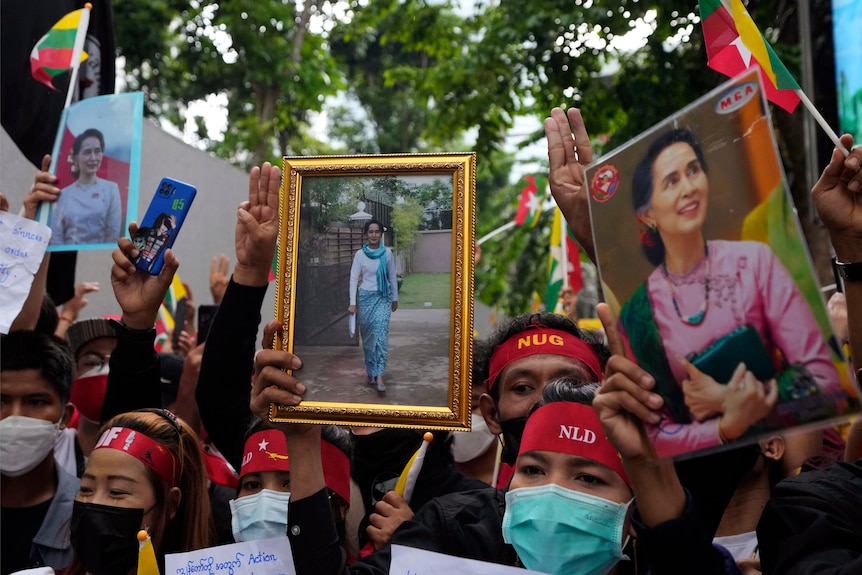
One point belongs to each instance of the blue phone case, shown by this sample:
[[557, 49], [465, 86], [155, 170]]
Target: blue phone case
[[161, 224]]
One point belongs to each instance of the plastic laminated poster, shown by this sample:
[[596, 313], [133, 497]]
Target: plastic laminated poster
[[709, 277], [97, 161]]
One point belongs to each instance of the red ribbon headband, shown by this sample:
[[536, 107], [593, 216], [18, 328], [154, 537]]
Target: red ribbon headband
[[267, 451], [143, 448], [542, 340], [573, 428]]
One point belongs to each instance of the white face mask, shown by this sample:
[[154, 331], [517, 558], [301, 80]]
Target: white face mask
[[259, 516], [24, 443], [469, 445]]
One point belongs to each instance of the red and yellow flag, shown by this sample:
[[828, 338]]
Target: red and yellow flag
[[54, 53], [530, 203], [734, 44]]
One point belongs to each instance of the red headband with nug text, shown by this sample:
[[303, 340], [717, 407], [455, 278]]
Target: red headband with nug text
[[542, 340], [143, 448], [572, 428]]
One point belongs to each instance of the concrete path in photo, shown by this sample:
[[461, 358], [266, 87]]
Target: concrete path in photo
[[416, 374]]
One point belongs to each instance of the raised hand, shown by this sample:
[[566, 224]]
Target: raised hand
[[219, 277], [139, 293], [569, 151], [837, 197], [73, 307], [257, 227], [43, 190]]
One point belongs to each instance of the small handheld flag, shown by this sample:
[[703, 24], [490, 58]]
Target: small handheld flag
[[734, 44], [147, 564], [530, 204], [62, 48], [407, 481]]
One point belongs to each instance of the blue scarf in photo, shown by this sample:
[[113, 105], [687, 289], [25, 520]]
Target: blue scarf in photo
[[382, 275]]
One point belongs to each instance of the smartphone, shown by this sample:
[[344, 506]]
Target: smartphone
[[161, 224], [205, 319], [179, 321]]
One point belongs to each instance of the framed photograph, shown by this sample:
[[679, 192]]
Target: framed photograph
[[96, 158], [709, 276], [375, 288]]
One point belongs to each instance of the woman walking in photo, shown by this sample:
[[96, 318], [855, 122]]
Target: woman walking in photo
[[373, 272]]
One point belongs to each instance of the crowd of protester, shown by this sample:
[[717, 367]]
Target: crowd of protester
[[102, 436]]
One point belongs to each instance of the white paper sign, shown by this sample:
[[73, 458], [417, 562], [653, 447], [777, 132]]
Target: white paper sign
[[411, 561], [22, 247], [265, 557]]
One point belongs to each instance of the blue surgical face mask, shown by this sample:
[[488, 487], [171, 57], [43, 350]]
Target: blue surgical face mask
[[559, 531], [259, 516]]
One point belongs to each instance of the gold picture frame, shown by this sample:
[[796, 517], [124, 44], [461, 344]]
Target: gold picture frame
[[426, 206]]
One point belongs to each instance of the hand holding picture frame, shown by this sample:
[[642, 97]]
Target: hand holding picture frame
[[388, 238], [714, 278]]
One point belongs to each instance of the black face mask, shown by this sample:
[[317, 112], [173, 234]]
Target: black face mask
[[105, 538], [512, 431]]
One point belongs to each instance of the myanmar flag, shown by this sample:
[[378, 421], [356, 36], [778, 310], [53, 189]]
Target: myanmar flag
[[556, 269], [530, 204], [53, 53], [734, 44]]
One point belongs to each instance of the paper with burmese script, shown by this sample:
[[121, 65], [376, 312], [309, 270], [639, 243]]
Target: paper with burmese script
[[264, 557], [22, 246], [412, 561], [710, 177]]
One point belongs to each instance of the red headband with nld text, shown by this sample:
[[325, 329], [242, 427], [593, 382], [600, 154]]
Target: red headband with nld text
[[143, 448], [572, 428], [542, 340]]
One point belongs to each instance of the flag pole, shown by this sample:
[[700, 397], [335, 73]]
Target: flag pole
[[822, 121], [564, 249], [511, 224], [80, 38]]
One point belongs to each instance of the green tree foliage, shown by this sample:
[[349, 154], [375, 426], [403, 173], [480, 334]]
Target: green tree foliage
[[386, 48], [263, 56], [406, 217], [418, 75]]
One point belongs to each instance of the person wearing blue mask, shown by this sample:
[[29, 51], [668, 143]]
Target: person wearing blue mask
[[569, 468], [260, 510]]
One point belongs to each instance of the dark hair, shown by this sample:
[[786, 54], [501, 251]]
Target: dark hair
[[25, 349], [165, 219], [522, 323], [48, 318], [567, 389], [368, 225], [88, 133], [642, 184]]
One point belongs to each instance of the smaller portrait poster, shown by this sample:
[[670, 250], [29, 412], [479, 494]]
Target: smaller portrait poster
[[710, 279], [96, 159]]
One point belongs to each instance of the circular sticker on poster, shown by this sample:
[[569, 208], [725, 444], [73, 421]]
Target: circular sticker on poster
[[605, 183]]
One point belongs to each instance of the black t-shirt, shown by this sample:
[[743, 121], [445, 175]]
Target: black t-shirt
[[18, 528]]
